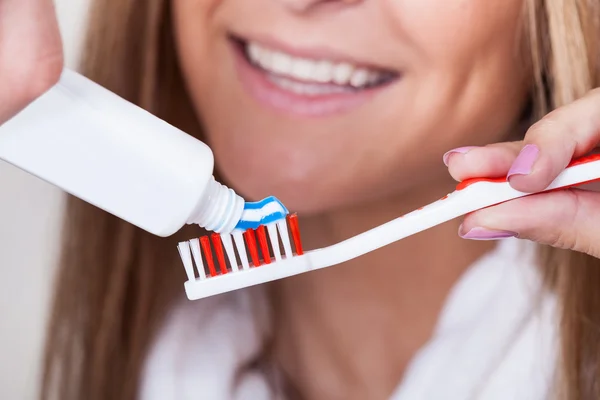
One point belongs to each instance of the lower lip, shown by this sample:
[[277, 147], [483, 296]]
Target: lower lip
[[265, 92]]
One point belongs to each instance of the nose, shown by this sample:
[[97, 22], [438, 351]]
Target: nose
[[304, 5]]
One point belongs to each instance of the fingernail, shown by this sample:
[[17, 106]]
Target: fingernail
[[486, 234], [523, 164], [459, 150]]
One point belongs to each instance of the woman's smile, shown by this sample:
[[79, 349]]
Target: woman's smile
[[345, 94], [306, 82]]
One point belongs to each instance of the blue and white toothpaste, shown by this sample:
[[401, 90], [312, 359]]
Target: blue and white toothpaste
[[262, 212]]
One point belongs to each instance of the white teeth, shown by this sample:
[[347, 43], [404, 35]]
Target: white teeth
[[281, 63], [254, 52], [302, 69], [307, 89], [359, 78], [323, 71], [342, 73], [307, 70], [373, 77]]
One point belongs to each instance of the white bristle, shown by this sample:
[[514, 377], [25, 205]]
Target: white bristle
[[186, 257], [285, 237], [272, 229], [227, 243], [238, 238], [195, 245]]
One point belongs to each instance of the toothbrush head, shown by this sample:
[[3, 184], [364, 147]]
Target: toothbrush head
[[223, 262]]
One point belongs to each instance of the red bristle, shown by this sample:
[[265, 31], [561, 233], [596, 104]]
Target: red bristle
[[251, 242], [264, 245], [216, 239], [293, 222], [205, 243]]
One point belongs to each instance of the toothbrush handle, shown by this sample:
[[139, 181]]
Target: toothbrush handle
[[477, 193], [581, 176], [470, 195]]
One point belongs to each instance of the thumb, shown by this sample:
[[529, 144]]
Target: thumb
[[31, 57], [567, 219]]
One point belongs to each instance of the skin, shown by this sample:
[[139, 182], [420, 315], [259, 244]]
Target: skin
[[353, 336], [564, 219], [343, 332], [31, 56], [453, 92]]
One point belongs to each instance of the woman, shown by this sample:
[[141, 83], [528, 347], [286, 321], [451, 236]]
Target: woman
[[343, 110]]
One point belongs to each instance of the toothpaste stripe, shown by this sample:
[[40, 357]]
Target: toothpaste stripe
[[205, 242], [257, 204], [293, 221], [216, 240], [271, 200], [255, 215], [264, 246], [251, 242]]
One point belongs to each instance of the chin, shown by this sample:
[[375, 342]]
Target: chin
[[306, 197], [301, 196]]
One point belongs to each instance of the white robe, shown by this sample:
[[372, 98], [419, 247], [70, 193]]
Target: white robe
[[496, 339]]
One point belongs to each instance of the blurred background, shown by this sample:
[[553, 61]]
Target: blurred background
[[30, 220]]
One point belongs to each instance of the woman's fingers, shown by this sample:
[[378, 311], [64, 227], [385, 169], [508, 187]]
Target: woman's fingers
[[569, 132], [549, 145], [31, 57], [476, 162], [568, 219]]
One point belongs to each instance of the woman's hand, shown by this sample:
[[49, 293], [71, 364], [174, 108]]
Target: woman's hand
[[568, 219], [31, 57]]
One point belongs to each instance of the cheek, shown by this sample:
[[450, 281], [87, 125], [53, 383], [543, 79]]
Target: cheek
[[467, 63], [196, 29], [440, 28]]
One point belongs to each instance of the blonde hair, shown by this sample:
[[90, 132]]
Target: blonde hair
[[565, 49], [114, 284]]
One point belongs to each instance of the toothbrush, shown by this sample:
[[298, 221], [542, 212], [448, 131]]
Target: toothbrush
[[469, 195]]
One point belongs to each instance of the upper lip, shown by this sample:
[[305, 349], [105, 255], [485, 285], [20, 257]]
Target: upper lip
[[316, 53]]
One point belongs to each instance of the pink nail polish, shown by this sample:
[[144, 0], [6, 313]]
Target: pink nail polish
[[459, 150], [523, 164], [486, 234]]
